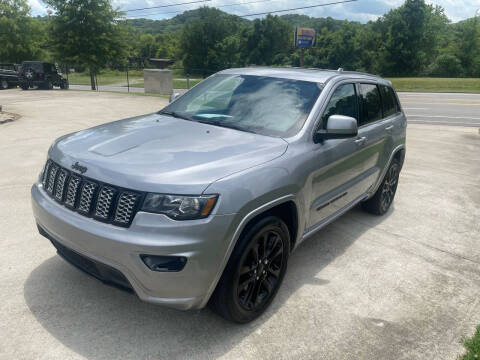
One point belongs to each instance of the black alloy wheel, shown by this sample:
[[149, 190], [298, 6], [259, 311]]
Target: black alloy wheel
[[389, 187], [254, 272], [260, 269], [381, 201]]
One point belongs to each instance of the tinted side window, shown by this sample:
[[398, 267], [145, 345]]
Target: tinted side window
[[342, 102], [47, 68], [388, 100], [37, 67], [371, 104]]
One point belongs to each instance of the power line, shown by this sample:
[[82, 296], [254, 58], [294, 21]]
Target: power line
[[245, 3], [299, 8], [168, 5], [219, 6]]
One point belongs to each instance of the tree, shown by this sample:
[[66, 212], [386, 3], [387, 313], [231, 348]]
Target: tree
[[87, 32], [147, 46], [446, 65], [268, 41], [411, 37], [467, 45], [337, 49], [202, 40], [20, 35], [167, 45]]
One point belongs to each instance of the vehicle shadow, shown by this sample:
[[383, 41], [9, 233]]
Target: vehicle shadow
[[98, 321]]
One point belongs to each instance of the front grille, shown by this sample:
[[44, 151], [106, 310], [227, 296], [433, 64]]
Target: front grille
[[103, 202], [125, 206], [86, 196], [51, 178], [60, 188]]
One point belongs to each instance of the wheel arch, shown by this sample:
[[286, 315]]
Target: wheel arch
[[397, 153], [285, 208], [287, 211]]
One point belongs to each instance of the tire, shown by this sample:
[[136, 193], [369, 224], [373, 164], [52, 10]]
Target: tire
[[48, 85], [24, 86], [64, 85], [383, 198], [3, 84], [254, 272]]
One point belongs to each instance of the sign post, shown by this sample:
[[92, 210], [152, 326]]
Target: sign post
[[304, 38]]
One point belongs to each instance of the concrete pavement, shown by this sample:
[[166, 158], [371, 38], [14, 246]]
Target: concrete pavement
[[402, 286]]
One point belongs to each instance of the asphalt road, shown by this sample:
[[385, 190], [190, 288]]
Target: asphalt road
[[401, 286], [442, 108]]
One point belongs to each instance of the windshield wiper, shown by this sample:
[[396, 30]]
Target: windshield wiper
[[225, 125], [177, 115]]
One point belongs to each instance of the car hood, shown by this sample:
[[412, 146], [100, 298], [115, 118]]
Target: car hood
[[163, 154]]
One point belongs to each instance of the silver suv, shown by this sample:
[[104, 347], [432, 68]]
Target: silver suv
[[203, 202]]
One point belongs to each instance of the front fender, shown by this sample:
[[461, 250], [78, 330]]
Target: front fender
[[249, 194]]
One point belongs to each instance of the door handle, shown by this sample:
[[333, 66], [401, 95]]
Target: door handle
[[389, 128], [361, 141]]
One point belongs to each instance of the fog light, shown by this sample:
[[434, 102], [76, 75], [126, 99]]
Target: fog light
[[164, 263]]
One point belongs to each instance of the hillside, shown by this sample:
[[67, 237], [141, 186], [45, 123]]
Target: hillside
[[176, 23]]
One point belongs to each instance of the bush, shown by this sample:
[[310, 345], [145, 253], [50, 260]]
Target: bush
[[446, 66]]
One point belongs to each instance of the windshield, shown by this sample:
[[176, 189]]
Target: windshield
[[36, 66], [263, 105]]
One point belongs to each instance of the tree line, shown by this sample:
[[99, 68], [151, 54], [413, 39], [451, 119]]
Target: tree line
[[415, 39]]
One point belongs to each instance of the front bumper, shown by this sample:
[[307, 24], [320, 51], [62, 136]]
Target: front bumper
[[203, 242]]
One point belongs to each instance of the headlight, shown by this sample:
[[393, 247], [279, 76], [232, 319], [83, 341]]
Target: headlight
[[179, 207]]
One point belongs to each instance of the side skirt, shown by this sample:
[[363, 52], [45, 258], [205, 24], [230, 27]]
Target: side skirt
[[332, 217]]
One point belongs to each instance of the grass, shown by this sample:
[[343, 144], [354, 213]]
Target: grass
[[112, 77], [473, 347], [105, 78], [131, 93], [182, 83], [177, 83], [471, 85]]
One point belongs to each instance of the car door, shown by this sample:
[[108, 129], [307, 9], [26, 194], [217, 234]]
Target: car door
[[394, 123], [374, 131], [337, 165]]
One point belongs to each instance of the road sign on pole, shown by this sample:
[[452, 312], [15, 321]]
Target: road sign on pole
[[304, 38]]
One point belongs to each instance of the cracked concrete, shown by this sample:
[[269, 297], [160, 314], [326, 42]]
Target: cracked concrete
[[402, 286]]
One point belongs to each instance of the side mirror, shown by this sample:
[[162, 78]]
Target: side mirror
[[338, 127], [174, 97]]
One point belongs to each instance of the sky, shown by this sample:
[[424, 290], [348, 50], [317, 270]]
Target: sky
[[361, 10]]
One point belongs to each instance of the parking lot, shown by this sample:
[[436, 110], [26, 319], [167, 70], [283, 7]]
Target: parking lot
[[402, 286]]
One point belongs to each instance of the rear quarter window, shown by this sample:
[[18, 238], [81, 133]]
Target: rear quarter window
[[371, 109], [389, 101]]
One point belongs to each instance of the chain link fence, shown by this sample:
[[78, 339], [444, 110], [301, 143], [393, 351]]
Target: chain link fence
[[131, 79]]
